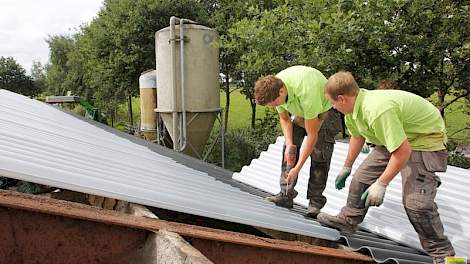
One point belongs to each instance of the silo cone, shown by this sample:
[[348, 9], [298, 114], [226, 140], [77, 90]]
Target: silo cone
[[148, 103], [198, 132], [201, 68]]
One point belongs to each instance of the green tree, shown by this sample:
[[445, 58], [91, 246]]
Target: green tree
[[59, 70], [104, 60], [119, 44], [275, 39], [437, 40], [223, 15], [13, 77], [424, 45], [38, 74]]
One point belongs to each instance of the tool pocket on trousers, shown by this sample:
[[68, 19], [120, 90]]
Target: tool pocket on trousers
[[425, 190], [435, 161]]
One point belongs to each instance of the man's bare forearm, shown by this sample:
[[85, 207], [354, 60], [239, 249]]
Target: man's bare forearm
[[397, 162], [312, 127], [286, 125], [307, 149], [355, 146]]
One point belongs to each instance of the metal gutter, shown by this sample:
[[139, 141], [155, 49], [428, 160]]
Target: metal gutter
[[41, 210]]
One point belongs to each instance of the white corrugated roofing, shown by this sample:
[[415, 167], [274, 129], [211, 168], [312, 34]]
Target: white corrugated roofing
[[389, 219], [42, 144]]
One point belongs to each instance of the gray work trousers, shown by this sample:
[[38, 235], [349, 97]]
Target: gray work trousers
[[320, 158], [419, 187]]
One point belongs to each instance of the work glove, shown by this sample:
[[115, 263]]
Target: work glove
[[340, 181], [365, 149], [374, 195]]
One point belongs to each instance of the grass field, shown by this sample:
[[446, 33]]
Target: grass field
[[240, 110], [457, 118], [240, 115]]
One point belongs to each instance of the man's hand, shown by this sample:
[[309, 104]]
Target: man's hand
[[374, 195], [290, 155], [292, 175], [340, 181]]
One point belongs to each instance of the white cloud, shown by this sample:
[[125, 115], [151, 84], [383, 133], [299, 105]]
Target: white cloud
[[26, 24]]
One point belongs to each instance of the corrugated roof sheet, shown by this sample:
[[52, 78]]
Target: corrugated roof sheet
[[42, 144], [389, 219], [45, 145]]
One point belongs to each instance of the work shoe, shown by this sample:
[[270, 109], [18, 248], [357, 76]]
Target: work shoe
[[281, 199], [337, 223], [312, 210]]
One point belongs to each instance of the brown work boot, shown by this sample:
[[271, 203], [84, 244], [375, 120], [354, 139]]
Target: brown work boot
[[281, 199], [337, 223], [312, 210]]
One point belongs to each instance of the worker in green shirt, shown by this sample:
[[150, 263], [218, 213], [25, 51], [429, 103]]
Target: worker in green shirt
[[298, 95], [409, 134]]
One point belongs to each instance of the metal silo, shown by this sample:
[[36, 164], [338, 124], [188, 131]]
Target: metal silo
[[187, 62], [148, 102]]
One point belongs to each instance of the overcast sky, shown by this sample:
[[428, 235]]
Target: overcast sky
[[26, 24]]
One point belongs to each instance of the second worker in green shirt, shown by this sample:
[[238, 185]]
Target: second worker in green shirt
[[298, 95], [409, 134]]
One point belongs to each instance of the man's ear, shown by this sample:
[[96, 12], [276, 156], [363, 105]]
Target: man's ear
[[341, 98]]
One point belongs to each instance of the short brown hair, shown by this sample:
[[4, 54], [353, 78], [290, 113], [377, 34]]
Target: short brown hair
[[388, 85], [267, 89], [341, 83]]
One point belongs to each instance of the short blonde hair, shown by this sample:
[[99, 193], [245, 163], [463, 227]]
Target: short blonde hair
[[267, 89], [341, 83]]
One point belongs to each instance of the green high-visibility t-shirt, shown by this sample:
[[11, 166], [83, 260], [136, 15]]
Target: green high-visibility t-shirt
[[305, 91], [388, 117]]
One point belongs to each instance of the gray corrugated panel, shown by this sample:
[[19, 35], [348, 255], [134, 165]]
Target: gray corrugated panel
[[382, 251], [390, 219], [42, 144]]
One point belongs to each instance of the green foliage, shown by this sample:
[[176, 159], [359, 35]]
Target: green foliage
[[57, 72], [38, 74], [102, 63], [224, 15], [459, 160], [374, 40], [120, 41], [28, 187], [13, 77], [245, 144], [424, 45], [456, 155], [457, 119]]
